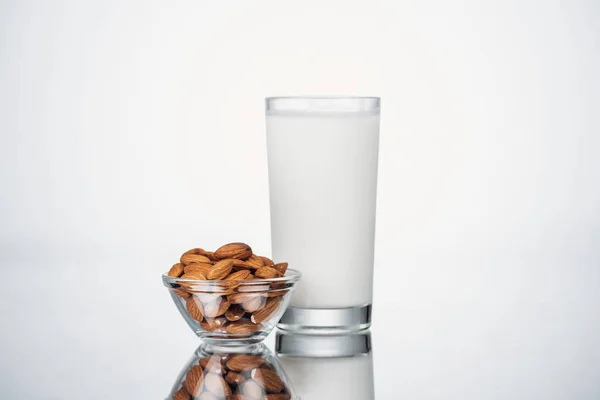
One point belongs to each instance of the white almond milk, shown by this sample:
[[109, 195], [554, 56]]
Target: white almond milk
[[323, 179]]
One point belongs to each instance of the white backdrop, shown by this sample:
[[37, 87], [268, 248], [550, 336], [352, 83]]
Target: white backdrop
[[133, 130]]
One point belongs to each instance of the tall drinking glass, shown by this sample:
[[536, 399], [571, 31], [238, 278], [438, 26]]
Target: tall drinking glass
[[322, 154]]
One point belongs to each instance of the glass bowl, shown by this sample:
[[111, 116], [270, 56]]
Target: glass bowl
[[232, 312], [248, 372]]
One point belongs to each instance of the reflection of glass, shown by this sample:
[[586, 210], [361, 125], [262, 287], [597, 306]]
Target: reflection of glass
[[328, 367], [322, 154], [215, 373]]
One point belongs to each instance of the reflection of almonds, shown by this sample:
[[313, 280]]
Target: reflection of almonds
[[244, 362], [279, 396], [212, 364], [255, 261], [208, 396], [216, 308], [281, 267], [252, 390], [194, 308], [193, 380], [238, 298], [241, 251], [220, 270], [267, 311], [203, 268], [213, 324], [267, 262], [254, 303], [181, 394], [190, 258], [268, 379], [233, 378], [195, 275], [181, 293], [217, 385], [267, 273], [176, 270], [235, 312]]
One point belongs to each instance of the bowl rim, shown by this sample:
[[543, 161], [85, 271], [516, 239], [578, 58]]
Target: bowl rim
[[291, 276]]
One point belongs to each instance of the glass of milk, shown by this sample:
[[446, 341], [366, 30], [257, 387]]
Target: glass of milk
[[322, 154], [333, 367]]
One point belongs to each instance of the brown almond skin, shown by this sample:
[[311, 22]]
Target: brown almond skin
[[255, 261], [203, 268], [240, 251], [268, 379], [220, 270], [244, 362], [181, 293], [181, 394], [267, 262], [238, 276], [267, 273], [281, 267], [194, 308], [278, 396], [267, 311], [190, 258], [234, 378], [242, 327], [235, 312], [193, 380], [213, 324], [217, 385], [196, 250], [194, 275], [176, 270]]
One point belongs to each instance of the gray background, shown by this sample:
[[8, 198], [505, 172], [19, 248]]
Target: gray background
[[133, 130]]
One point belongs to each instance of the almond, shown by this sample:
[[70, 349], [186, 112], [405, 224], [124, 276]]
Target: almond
[[213, 324], [194, 275], [211, 364], [220, 270], [235, 313], [239, 298], [255, 261], [254, 303], [176, 270], [242, 327], [181, 394], [196, 250], [267, 262], [217, 385], [267, 273], [190, 258], [244, 362], [193, 380], [194, 308], [241, 264], [278, 396], [203, 268], [216, 308], [252, 389], [268, 311], [211, 256], [181, 293], [250, 277], [241, 251], [238, 276], [268, 379], [281, 267], [233, 378]]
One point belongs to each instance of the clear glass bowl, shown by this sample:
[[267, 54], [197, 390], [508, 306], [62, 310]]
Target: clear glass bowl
[[232, 312], [249, 372]]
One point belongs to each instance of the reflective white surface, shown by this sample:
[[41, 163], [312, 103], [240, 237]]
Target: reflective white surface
[[131, 131]]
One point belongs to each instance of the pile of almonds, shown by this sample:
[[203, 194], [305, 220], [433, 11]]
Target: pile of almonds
[[232, 377], [229, 306]]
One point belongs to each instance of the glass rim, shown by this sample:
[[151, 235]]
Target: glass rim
[[291, 276]]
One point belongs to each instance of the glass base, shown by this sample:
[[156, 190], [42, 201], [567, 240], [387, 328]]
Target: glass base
[[291, 344], [325, 321]]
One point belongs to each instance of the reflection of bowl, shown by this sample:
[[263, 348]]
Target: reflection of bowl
[[232, 311], [250, 372]]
